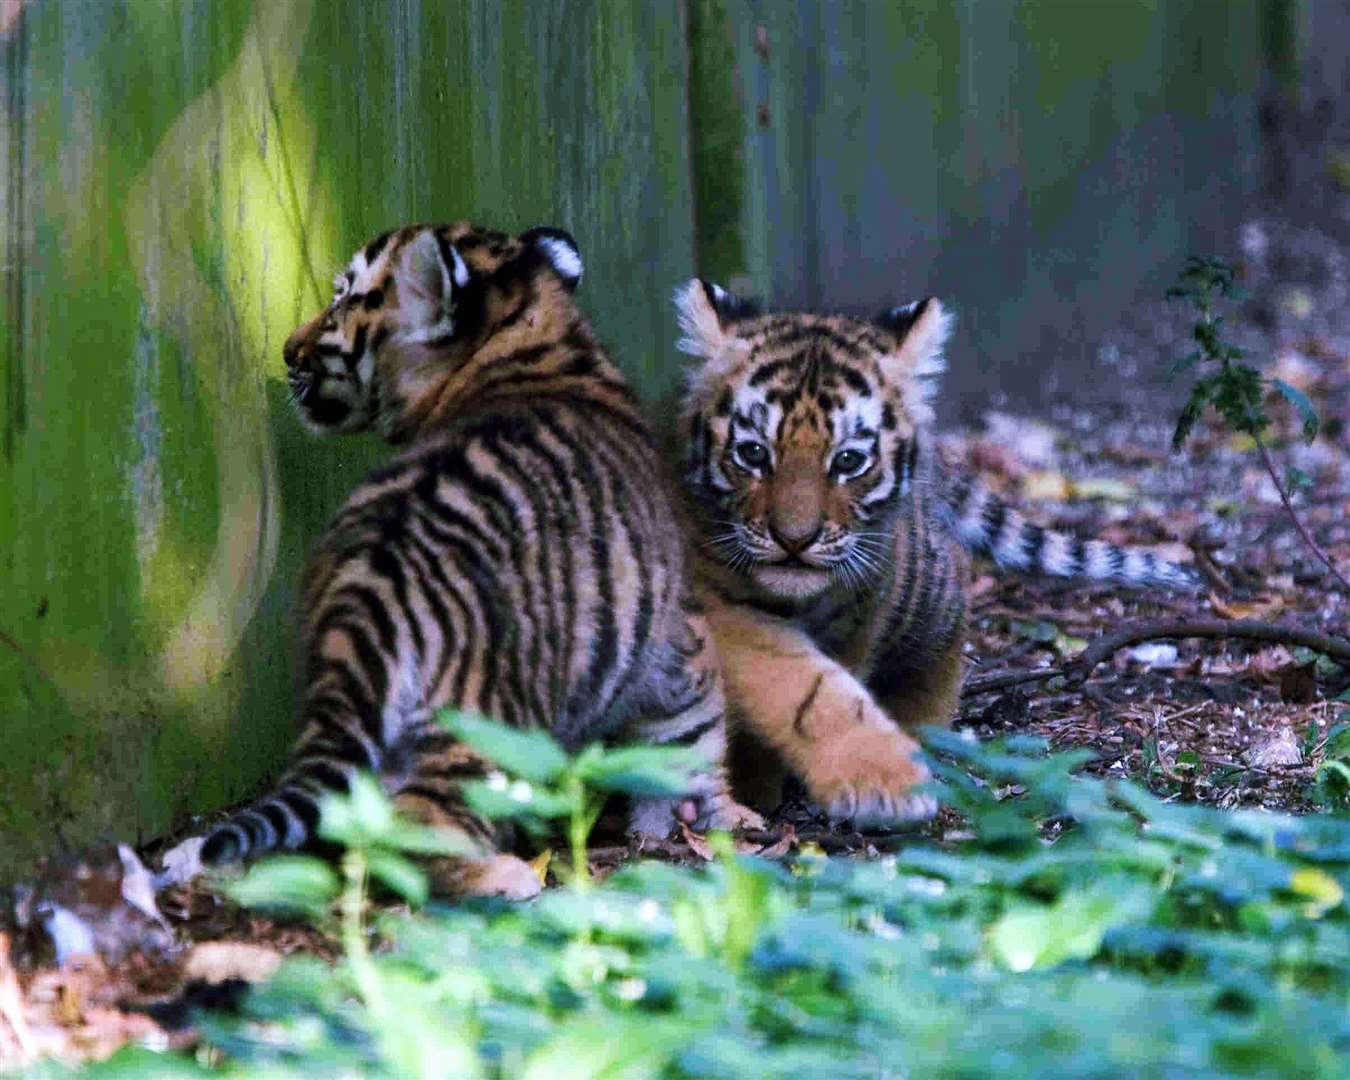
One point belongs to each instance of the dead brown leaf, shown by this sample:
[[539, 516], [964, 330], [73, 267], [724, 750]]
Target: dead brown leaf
[[698, 844], [1263, 607]]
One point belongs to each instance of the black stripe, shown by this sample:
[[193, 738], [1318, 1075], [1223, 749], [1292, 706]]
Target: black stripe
[[604, 644], [304, 807], [993, 517], [373, 607], [855, 381], [1033, 544], [500, 506], [1078, 556], [799, 720], [276, 816], [385, 562], [373, 249], [692, 735], [358, 348]]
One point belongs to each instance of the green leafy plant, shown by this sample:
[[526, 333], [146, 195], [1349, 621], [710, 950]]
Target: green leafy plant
[[1081, 928], [1235, 389], [550, 785]]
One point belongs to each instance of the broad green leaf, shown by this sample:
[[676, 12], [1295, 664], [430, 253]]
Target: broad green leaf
[[1039, 936], [417, 1038], [531, 755], [360, 818], [1035, 631], [643, 771], [1322, 890], [1184, 364], [298, 884], [398, 875], [589, 1048], [1299, 400], [500, 799]]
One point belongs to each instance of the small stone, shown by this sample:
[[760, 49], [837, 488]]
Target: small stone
[[1278, 748]]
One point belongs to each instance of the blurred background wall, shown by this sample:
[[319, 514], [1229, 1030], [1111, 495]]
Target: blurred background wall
[[181, 177]]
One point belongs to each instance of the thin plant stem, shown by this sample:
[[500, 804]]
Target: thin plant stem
[[1312, 544], [351, 905], [579, 831]]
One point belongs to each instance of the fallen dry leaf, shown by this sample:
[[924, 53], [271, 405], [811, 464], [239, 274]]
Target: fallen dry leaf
[[697, 844], [1041, 485], [1103, 488], [1263, 607], [539, 864]]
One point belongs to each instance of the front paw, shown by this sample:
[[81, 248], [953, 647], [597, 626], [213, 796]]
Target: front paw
[[867, 776]]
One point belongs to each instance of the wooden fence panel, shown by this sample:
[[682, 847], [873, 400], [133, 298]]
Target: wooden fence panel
[[1038, 163], [182, 178]]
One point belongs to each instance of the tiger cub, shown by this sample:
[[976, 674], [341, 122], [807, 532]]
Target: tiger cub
[[519, 557], [831, 566]]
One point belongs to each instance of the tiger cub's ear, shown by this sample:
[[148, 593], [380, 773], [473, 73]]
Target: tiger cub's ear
[[559, 250], [706, 312], [430, 270], [921, 330]]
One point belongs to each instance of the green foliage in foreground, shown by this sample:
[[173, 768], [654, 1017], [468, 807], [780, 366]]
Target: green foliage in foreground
[[1147, 940]]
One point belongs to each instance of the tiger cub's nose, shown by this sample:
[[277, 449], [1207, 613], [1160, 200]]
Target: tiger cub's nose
[[795, 536]]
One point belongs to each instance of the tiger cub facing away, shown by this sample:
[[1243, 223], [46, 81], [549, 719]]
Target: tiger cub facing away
[[520, 557], [831, 565]]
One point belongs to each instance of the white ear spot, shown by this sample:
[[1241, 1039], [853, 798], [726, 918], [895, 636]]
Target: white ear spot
[[461, 272], [563, 257]]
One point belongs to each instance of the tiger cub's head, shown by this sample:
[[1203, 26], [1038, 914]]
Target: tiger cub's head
[[801, 433], [411, 308]]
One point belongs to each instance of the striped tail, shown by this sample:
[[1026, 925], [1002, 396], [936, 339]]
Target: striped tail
[[986, 525], [283, 819]]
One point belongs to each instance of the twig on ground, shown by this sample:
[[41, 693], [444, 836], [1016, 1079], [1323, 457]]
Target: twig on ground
[[1244, 629], [1210, 571], [1102, 648], [1002, 680]]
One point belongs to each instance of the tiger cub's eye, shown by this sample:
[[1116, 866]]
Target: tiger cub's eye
[[848, 462], [751, 454]]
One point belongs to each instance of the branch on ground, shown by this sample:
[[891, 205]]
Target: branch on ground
[[1106, 646]]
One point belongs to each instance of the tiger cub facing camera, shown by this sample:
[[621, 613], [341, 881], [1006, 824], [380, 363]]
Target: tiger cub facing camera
[[520, 557], [831, 564]]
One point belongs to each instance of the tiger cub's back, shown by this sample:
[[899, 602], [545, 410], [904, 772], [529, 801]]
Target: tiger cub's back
[[519, 558]]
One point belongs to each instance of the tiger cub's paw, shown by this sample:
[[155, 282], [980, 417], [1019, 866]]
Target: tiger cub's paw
[[653, 819], [867, 776], [727, 814], [499, 875]]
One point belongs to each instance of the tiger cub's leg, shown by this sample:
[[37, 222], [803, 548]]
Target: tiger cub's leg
[[820, 719], [929, 695], [429, 792], [687, 707]]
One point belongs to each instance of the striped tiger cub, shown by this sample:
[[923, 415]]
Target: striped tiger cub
[[520, 556], [831, 562]]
